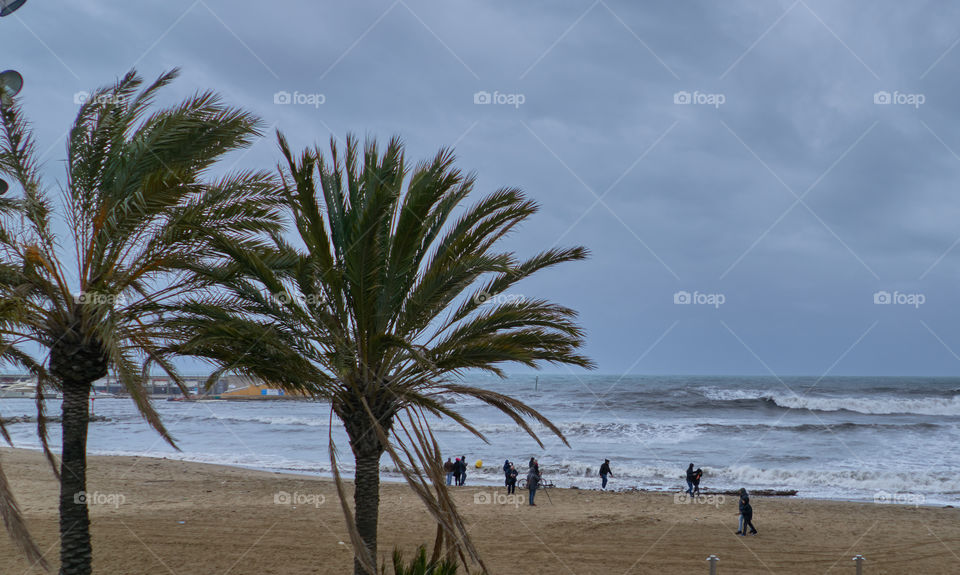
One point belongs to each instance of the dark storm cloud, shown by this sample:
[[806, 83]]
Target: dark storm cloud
[[699, 197]]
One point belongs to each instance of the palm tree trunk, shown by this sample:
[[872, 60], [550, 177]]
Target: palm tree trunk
[[366, 500], [75, 550]]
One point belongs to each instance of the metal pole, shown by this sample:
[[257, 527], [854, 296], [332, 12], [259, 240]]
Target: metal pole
[[713, 564], [859, 559]]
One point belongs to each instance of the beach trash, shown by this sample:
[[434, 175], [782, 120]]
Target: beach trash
[[713, 564], [859, 559], [479, 464]]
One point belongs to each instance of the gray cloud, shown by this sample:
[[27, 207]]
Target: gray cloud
[[694, 197]]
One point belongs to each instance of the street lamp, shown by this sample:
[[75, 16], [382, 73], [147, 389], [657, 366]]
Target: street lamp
[[11, 82], [8, 7]]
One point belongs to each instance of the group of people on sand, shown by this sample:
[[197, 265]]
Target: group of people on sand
[[456, 470], [457, 473], [746, 510], [510, 474]]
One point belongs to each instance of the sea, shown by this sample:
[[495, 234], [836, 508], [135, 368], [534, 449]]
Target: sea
[[882, 439]]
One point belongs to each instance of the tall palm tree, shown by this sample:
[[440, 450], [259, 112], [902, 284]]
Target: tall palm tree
[[140, 207], [393, 290]]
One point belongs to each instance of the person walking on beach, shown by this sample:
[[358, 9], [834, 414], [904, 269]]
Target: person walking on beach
[[448, 469], [690, 473], [512, 480], [696, 480], [746, 514], [463, 470], [533, 480], [506, 472], [456, 471], [604, 472]]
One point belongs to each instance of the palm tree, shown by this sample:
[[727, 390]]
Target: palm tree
[[140, 207], [394, 291]]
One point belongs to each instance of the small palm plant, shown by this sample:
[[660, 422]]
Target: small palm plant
[[139, 210], [420, 565], [391, 292]]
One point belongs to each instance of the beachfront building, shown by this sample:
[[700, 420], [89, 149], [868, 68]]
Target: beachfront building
[[260, 391], [24, 385]]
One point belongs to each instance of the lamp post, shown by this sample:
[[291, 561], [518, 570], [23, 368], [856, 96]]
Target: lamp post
[[11, 82], [8, 7]]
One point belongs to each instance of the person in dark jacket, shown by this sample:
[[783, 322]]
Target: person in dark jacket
[[746, 514], [604, 472], [463, 470], [457, 465], [506, 471], [690, 473], [696, 480], [533, 480], [512, 480]]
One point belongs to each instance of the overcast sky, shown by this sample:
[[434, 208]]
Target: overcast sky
[[780, 165]]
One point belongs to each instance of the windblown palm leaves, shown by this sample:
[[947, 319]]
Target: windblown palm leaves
[[142, 210], [391, 291]]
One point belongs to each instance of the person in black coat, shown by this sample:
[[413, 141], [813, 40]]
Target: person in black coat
[[746, 514], [458, 467], [512, 480], [604, 472], [506, 471], [690, 473]]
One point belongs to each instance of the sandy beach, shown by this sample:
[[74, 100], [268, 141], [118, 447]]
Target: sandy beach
[[161, 516]]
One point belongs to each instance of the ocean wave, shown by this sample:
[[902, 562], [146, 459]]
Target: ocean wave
[[948, 406]]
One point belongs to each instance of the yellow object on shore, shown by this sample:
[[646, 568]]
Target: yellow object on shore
[[479, 464]]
